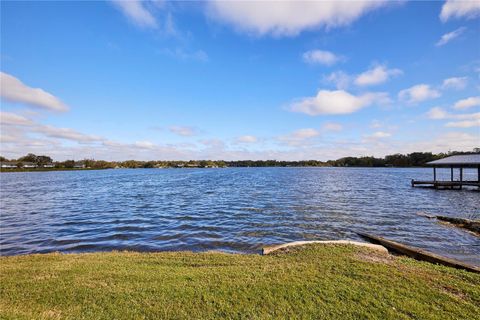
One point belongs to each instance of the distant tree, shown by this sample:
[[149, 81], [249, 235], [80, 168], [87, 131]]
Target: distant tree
[[149, 164], [100, 164], [205, 163], [420, 158], [131, 164], [42, 160], [39, 160], [397, 160], [89, 163], [68, 164], [28, 158]]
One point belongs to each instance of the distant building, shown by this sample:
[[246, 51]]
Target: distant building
[[49, 165], [29, 165], [79, 165], [9, 165]]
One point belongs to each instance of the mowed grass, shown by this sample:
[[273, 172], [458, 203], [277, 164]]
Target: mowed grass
[[310, 282]]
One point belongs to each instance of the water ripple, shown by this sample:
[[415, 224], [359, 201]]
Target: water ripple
[[235, 209]]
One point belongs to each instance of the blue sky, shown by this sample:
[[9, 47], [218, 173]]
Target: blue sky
[[238, 80]]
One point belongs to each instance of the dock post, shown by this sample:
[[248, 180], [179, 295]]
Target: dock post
[[461, 177], [451, 176]]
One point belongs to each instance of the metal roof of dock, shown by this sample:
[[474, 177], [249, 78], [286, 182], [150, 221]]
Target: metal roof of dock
[[464, 160]]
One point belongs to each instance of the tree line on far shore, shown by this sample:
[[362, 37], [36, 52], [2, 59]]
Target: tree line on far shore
[[415, 159]]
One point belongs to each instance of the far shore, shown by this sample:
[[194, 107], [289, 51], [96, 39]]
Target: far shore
[[90, 169], [48, 169]]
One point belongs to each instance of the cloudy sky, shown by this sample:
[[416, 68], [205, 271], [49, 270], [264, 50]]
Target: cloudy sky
[[230, 80]]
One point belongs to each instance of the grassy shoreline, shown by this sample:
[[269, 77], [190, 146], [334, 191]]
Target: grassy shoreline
[[313, 281], [49, 169]]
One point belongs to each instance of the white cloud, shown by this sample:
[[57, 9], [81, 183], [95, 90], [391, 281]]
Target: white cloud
[[321, 57], [464, 124], [9, 137], [418, 93], [467, 103], [380, 135], [467, 116], [183, 131], [462, 116], [66, 134], [340, 79], [8, 118], [170, 27], [17, 122], [332, 126], [288, 18], [14, 90], [460, 9], [464, 120], [213, 143], [457, 83], [447, 37], [337, 102], [377, 139], [144, 144], [299, 138], [437, 113], [376, 75], [302, 134], [444, 142], [13, 146], [246, 139], [136, 11]]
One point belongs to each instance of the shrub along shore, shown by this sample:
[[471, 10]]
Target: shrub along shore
[[309, 282], [32, 162]]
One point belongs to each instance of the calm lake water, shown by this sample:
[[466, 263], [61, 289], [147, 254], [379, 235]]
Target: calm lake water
[[233, 209]]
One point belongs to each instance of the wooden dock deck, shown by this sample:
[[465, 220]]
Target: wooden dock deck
[[464, 161], [444, 184]]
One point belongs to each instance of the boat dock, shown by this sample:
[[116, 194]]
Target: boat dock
[[445, 184], [459, 162]]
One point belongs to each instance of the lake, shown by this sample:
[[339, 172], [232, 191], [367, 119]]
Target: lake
[[230, 209]]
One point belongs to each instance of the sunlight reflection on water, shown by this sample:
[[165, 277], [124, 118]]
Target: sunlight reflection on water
[[234, 209]]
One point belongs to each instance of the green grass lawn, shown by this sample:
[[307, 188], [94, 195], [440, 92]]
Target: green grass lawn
[[311, 282]]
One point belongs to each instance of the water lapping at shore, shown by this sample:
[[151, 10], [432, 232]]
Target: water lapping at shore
[[234, 209]]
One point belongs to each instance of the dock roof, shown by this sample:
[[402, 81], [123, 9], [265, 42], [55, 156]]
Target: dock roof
[[464, 160]]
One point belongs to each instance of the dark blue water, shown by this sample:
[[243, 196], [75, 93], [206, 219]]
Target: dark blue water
[[234, 209]]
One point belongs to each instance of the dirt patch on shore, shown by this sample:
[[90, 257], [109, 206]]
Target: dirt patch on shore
[[454, 292], [375, 257]]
